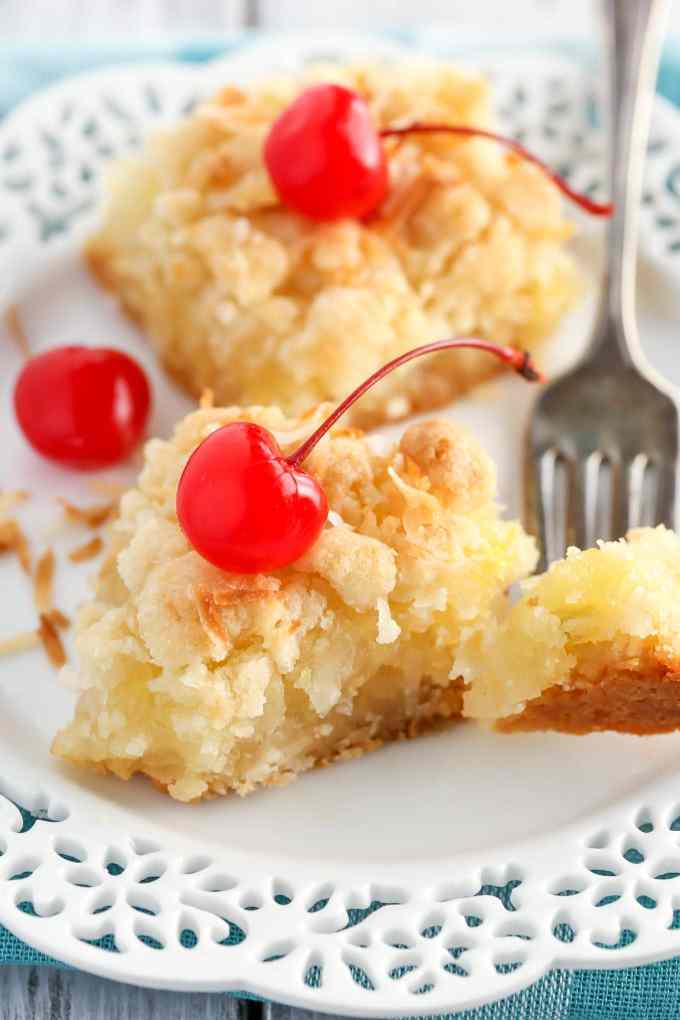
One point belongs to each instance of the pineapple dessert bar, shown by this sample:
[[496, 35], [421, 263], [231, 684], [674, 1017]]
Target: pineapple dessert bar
[[593, 644], [209, 680], [254, 274]]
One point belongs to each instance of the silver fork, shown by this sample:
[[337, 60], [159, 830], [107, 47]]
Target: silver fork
[[602, 445]]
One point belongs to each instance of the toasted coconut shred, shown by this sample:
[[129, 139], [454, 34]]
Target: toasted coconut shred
[[21, 642], [51, 620], [11, 498], [43, 583], [86, 551], [51, 642], [91, 516], [13, 539], [59, 619], [15, 328], [107, 487]]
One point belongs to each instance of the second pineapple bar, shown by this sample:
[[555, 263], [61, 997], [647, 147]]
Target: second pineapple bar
[[241, 294]]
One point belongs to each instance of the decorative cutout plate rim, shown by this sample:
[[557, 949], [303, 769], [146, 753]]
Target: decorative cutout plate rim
[[472, 927]]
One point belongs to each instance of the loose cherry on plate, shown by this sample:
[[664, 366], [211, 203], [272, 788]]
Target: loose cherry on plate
[[326, 158], [247, 508], [83, 407]]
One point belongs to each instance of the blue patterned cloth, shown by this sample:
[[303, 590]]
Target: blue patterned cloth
[[642, 993]]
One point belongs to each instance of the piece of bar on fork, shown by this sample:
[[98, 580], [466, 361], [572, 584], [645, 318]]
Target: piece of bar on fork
[[594, 642]]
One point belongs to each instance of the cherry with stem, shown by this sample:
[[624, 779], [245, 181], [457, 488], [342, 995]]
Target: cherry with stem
[[520, 361], [423, 128], [247, 508], [327, 159]]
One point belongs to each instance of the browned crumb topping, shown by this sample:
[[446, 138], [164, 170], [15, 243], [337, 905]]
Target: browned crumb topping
[[86, 551]]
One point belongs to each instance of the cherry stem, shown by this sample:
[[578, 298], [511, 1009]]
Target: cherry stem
[[520, 361], [418, 128]]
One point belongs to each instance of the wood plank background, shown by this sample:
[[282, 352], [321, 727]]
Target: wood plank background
[[31, 993], [80, 20]]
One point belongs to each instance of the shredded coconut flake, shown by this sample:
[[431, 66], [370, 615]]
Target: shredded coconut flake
[[14, 327], [51, 642], [21, 642], [43, 583], [336, 520], [59, 619], [388, 628], [87, 551], [12, 539], [11, 498], [409, 492], [92, 516]]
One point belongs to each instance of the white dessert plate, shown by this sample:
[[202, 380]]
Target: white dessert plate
[[425, 878]]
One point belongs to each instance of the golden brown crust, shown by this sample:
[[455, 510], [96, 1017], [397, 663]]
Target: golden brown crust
[[643, 700]]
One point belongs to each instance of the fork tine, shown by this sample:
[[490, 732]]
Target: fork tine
[[621, 516], [578, 487], [665, 501], [540, 495], [639, 482]]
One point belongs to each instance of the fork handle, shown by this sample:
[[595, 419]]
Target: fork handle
[[634, 30]]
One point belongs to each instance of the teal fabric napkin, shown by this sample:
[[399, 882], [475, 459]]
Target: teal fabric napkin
[[642, 993]]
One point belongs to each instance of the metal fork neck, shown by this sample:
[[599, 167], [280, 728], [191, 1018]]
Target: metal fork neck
[[633, 35]]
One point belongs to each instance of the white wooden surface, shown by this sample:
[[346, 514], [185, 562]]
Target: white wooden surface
[[37, 993], [79, 20], [31, 993], [43, 993]]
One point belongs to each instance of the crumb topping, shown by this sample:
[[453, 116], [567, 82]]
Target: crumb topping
[[243, 296]]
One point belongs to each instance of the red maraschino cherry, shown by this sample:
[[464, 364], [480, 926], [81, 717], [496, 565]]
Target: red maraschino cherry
[[83, 407], [248, 508], [326, 158], [244, 506]]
